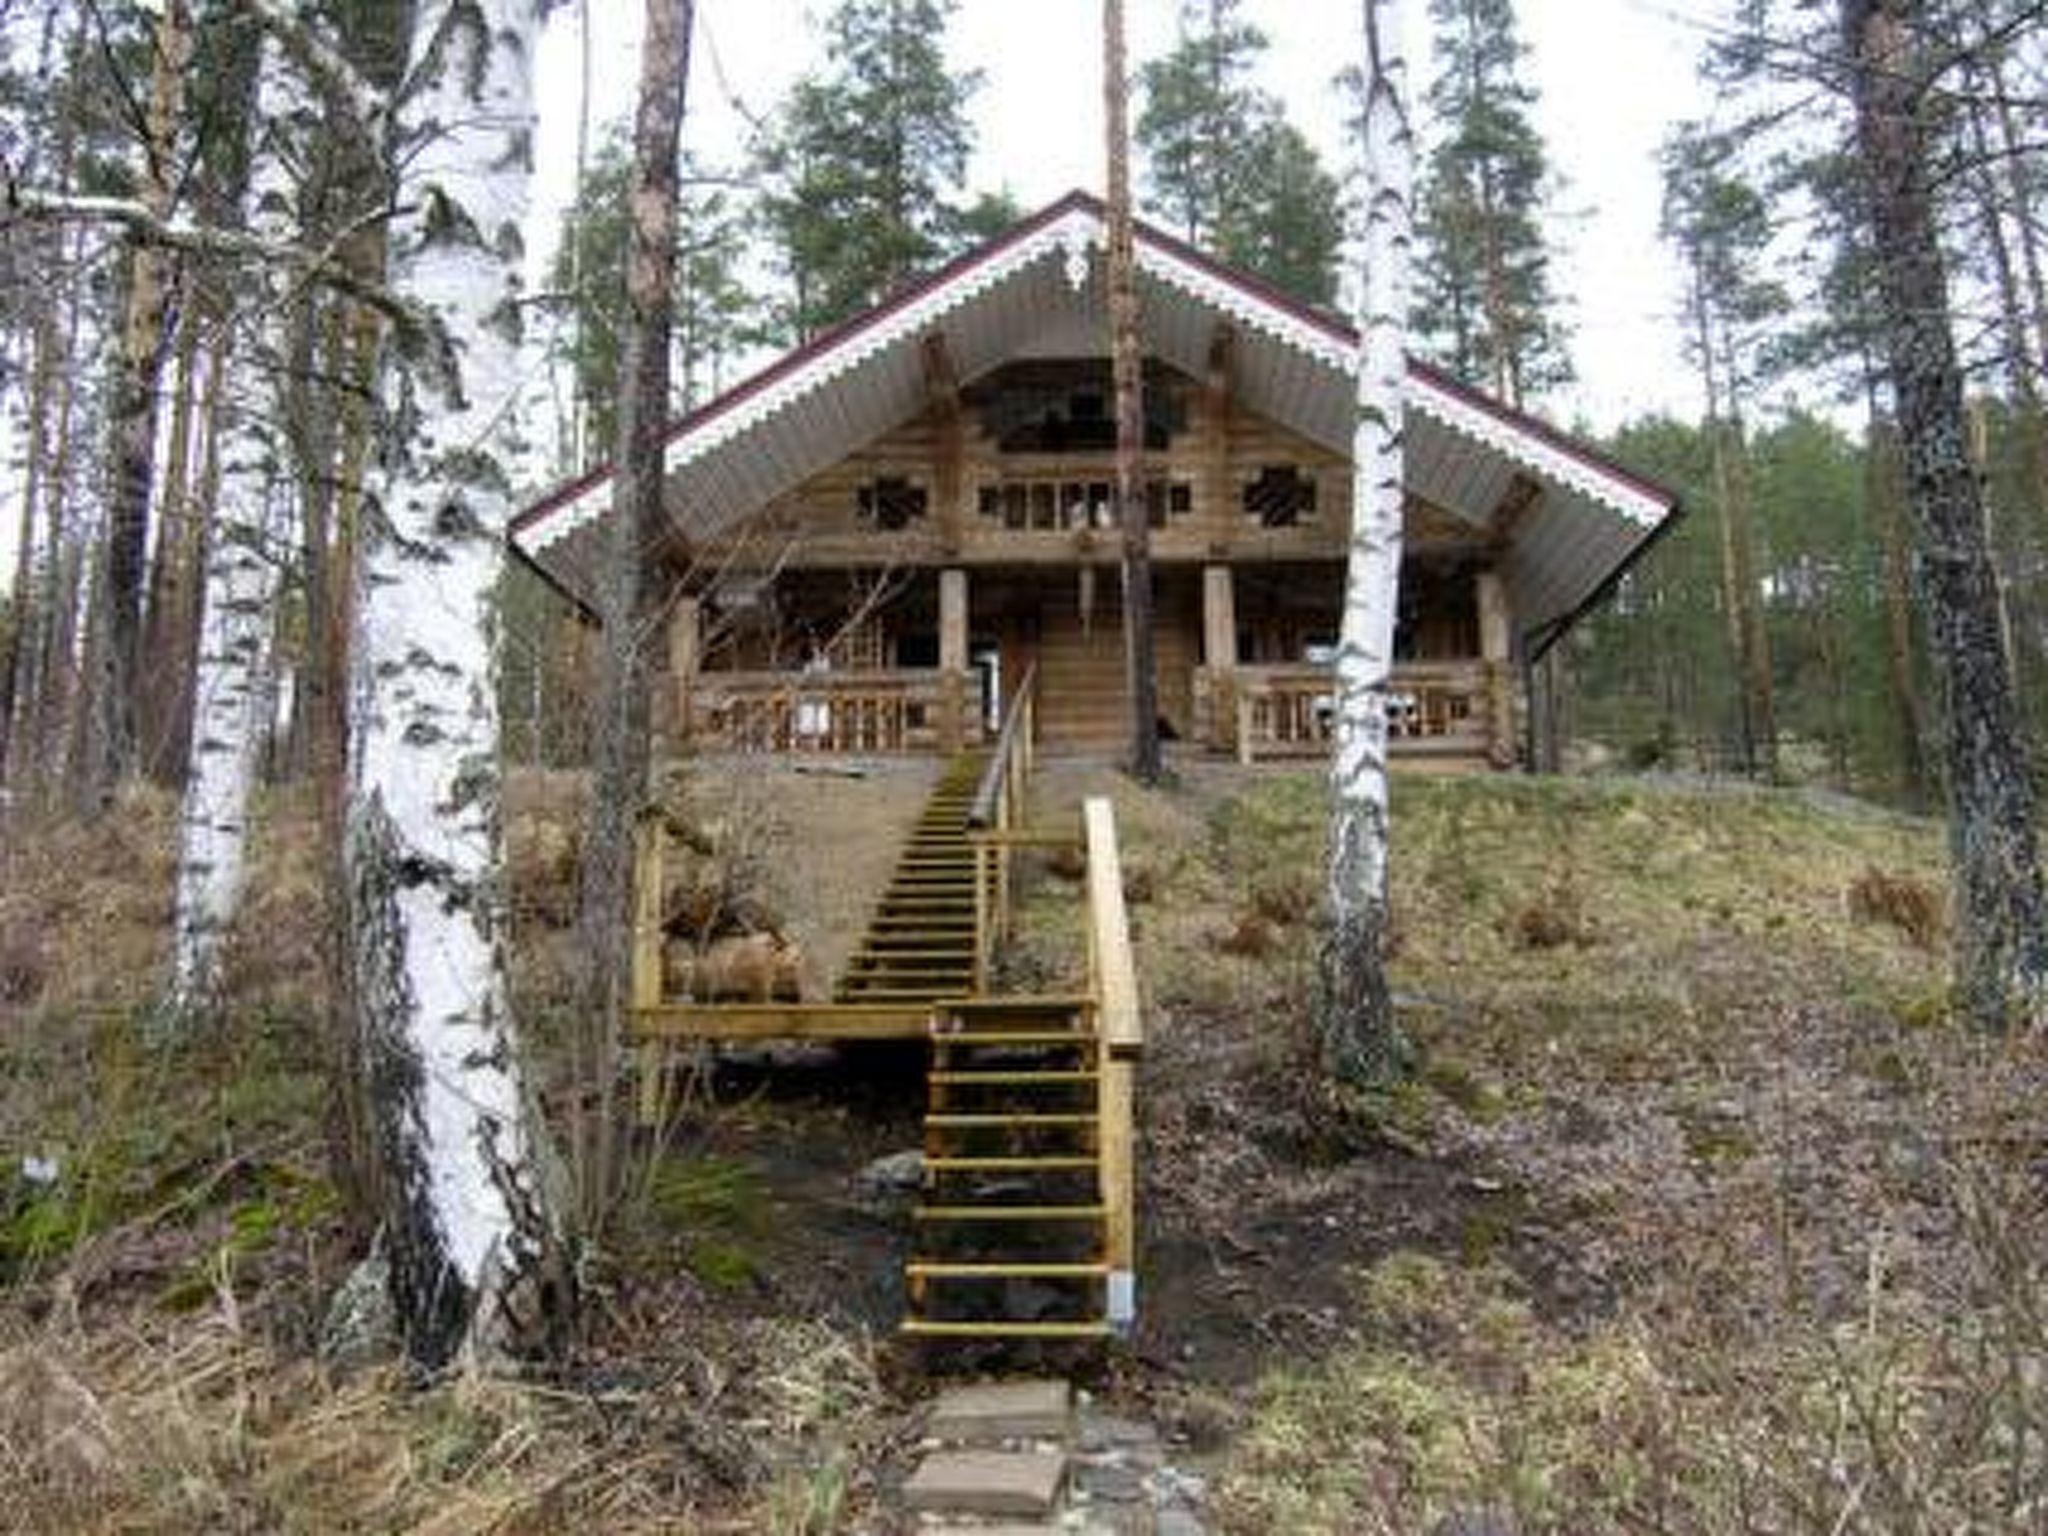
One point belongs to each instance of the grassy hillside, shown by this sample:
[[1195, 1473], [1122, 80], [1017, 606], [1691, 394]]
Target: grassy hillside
[[1699, 1214]]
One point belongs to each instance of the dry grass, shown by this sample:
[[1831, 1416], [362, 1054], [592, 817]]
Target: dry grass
[[205, 1429], [1700, 1216]]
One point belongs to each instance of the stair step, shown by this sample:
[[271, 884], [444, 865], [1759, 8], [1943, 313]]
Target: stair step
[[1013, 1037], [1006, 1330], [1026, 1002], [969, 1078], [928, 1269], [971, 1213], [1024, 1163], [948, 1121]]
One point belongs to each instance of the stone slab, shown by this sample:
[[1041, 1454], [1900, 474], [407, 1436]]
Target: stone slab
[[1023, 1483], [1008, 1410]]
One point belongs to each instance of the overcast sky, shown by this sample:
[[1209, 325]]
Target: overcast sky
[[1614, 75]]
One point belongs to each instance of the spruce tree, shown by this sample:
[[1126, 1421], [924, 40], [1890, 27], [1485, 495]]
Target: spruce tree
[[1225, 167], [865, 161], [1484, 305]]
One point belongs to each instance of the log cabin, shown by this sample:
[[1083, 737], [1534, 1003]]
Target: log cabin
[[877, 537]]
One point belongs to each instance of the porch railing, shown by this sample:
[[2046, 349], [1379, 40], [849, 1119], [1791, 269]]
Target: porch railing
[[902, 710], [1434, 708]]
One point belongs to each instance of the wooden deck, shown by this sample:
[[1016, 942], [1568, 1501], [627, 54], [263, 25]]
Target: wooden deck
[[1029, 1125]]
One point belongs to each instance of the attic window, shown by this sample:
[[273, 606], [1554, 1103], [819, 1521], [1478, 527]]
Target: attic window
[[1282, 497], [891, 503]]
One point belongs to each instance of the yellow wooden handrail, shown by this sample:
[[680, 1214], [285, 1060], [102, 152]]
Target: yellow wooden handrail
[[1120, 1029]]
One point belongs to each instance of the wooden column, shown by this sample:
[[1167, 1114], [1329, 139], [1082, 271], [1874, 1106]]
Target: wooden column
[[953, 732], [1216, 495], [1496, 644], [1219, 651], [949, 459], [685, 652]]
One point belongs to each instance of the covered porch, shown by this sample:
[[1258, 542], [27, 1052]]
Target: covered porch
[[924, 661]]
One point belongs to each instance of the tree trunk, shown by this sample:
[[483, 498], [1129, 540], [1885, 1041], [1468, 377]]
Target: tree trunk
[[133, 424], [19, 669], [2001, 950], [630, 595], [1141, 682], [231, 686], [1887, 501], [1749, 633], [158, 706], [233, 669], [1361, 1041], [468, 1228]]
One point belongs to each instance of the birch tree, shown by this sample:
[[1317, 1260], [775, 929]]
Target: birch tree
[[232, 675], [2001, 950], [468, 1229], [1360, 1039], [629, 599]]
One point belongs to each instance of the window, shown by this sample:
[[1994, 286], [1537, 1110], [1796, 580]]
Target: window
[[1053, 505], [1282, 497], [891, 503]]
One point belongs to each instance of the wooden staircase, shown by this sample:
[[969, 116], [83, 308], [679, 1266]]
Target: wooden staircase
[[1013, 1235], [920, 943]]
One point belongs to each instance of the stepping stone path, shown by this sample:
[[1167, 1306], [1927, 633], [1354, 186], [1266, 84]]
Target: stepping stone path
[[1022, 1457]]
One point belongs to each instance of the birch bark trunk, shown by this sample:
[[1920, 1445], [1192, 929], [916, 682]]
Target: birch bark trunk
[[1360, 1040], [2001, 949], [630, 597], [232, 677], [468, 1230]]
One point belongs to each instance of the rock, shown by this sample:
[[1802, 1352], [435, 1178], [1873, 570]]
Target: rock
[[1111, 1483], [1175, 1486], [361, 1327], [1177, 1522], [1103, 1431], [894, 1177]]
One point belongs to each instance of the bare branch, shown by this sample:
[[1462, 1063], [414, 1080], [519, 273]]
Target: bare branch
[[330, 71], [33, 204]]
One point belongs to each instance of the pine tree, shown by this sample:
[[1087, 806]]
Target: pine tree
[[2001, 952], [865, 159], [1721, 226], [1225, 167], [630, 598], [714, 314], [1484, 303]]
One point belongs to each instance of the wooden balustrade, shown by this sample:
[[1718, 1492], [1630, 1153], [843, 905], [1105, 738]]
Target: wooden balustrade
[[1434, 708], [996, 818], [902, 710]]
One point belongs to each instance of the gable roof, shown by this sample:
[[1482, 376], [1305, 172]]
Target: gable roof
[[1035, 291]]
